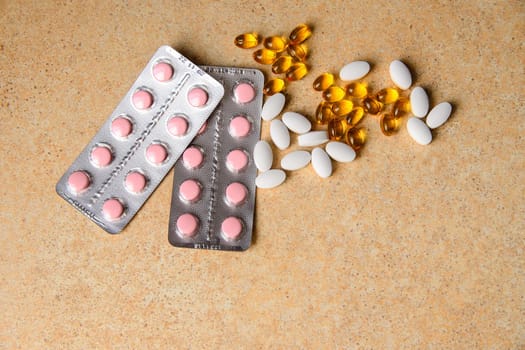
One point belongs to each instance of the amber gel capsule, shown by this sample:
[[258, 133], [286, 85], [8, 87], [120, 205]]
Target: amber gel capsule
[[401, 107], [342, 107], [387, 95], [282, 64], [389, 124], [337, 129], [247, 41], [372, 106], [300, 34], [357, 89], [323, 82], [297, 71], [355, 116], [298, 52], [355, 138], [265, 56], [334, 93], [273, 86], [275, 43], [323, 113]]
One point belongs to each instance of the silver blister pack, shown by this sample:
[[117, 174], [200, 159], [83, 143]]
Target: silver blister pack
[[141, 140], [213, 198]]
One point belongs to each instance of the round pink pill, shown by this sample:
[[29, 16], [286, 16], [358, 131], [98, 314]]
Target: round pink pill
[[78, 181], [203, 128], [178, 126], [112, 209], [187, 225], [236, 193], [142, 99], [244, 93], [163, 71], [236, 160], [240, 126], [135, 182], [231, 228], [197, 97], [192, 157], [190, 191], [101, 156], [156, 153], [121, 127]]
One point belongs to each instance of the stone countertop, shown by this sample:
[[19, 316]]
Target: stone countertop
[[408, 246]]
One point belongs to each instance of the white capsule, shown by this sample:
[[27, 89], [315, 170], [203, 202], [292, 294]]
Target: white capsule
[[439, 115], [419, 131], [279, 134], [273, 106], [263, 155], [419, 102], [296, 122], [321, 162], [270, 179], [295, 160], [340, 151], [400, 75], [313, 138], [354, 70]]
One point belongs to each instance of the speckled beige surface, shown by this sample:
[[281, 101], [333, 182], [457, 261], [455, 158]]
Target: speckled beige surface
[[406, 247]]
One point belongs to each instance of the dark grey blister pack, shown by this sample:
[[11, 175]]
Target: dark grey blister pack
[[214, 176]]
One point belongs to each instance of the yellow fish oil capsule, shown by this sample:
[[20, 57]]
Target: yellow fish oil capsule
[[355, 138], [357, 89], [300, 34], [282, 64], [355, 116], [401, 107], [387, 95], [334, 93], [337, 129], [389, 124], [275, 43], [372, 106], [298, 52], [273, 86], [323, 82], [323, 113], [342, 107], [264, 56], [247, 41], [297, 71]]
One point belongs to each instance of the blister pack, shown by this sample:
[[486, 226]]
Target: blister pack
[[213, 198], [141, 140]]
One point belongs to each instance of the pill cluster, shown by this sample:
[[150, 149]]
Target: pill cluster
[[213, 198], [286, 55], [141, 140]]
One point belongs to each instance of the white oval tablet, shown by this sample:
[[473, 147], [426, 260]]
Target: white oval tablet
[[313, 138], [439, 115], [270, 179], [273, 106], [263, 155], [400, 74], [419, 102], [354, 70], [279, 134], [296, 122], [340, 152], [321, 162], [419, 131], [295, 160]]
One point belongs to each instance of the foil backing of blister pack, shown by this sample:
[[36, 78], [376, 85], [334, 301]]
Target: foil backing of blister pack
[[214, 175], [149, 126]]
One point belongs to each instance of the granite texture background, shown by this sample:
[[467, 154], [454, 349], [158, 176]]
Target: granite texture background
[[406, 247]]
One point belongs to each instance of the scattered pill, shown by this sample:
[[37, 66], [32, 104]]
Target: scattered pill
[[387, 95], [323, 82], [337, 129], [263, 155], [296, 122], [419, 131], [142, 99], [156, 153], [190, 191], [340, 151], [282, 64], [247, 41], [355, 116], [187, 225], [356, 138], [439, 115], [401, 107], [273, 86], [121, 127], [275, 43], [178, 126], [197, 97], [419, 102], [236, 194], [297, 52], [321, 162], [270, 179], [372, 106], [135, 182], [343, 107], [231, 228], [323, 113], [240, 126], [354, 70], [273, 106], [295, 160], [264, 56], [243, 93], [279, 134], [400, 74], [296, 72], [78, 181], [313, 138], [357, 89], [334, 93], [112, 209], [300, 34], [163, 71], [389, 124], [237, 160]]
